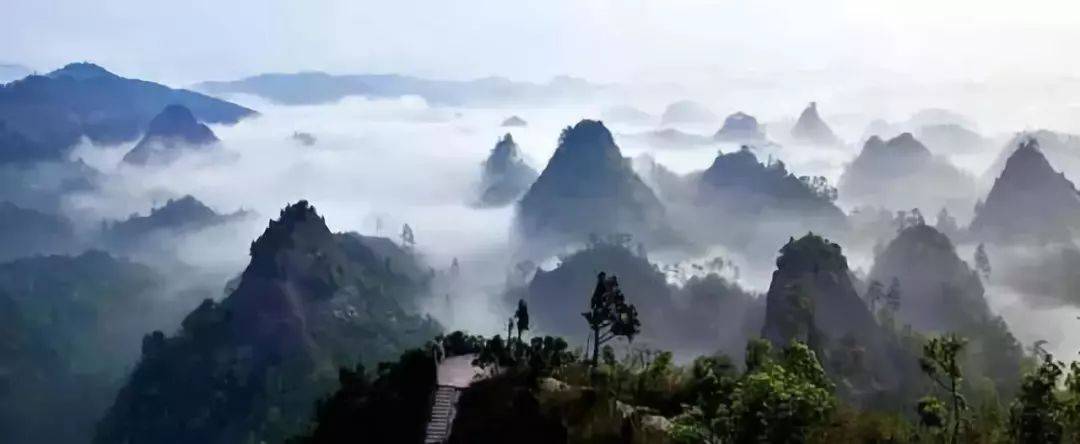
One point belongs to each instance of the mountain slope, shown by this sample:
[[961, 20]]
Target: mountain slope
[[252, 365]]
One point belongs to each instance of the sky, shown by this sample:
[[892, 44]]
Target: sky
[[603, 40]]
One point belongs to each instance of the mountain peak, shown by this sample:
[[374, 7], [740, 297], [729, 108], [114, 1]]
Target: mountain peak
[[81, 71], [811, 128], [740, 127], [174, 127], [1030, 199]]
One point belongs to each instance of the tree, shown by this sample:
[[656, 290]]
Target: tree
[[1036, 415], [609, 315], [407, 238], [522, 317], [982, 261], [941, 363]]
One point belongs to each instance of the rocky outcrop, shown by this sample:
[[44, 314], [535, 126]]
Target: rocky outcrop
[[505, 176], [588, 187], [810, 128], [171, 131], [812, 299], [1029, 201], [308, 303]]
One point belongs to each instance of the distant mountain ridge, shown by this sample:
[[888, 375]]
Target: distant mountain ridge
[[313, 87], [54, 111]]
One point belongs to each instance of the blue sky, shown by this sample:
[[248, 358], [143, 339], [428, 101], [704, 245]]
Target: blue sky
[[616, 40]]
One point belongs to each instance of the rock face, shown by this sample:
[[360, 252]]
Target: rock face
[[1029, 201], [812, 299], [172, 130], [882, 169], [308, 303], [810, 128], [687, 111], [939, 293], [505, 175], [589, 188], [741, 128], [55, 110]]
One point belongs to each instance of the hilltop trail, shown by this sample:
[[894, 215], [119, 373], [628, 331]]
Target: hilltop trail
[[454, 375]]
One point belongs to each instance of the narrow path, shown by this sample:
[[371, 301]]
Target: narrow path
[[454, 375]]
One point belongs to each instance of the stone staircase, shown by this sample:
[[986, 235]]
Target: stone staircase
[[443, 409]]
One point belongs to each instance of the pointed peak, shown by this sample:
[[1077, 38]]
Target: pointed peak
[[1028, 158], [507, 138]]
